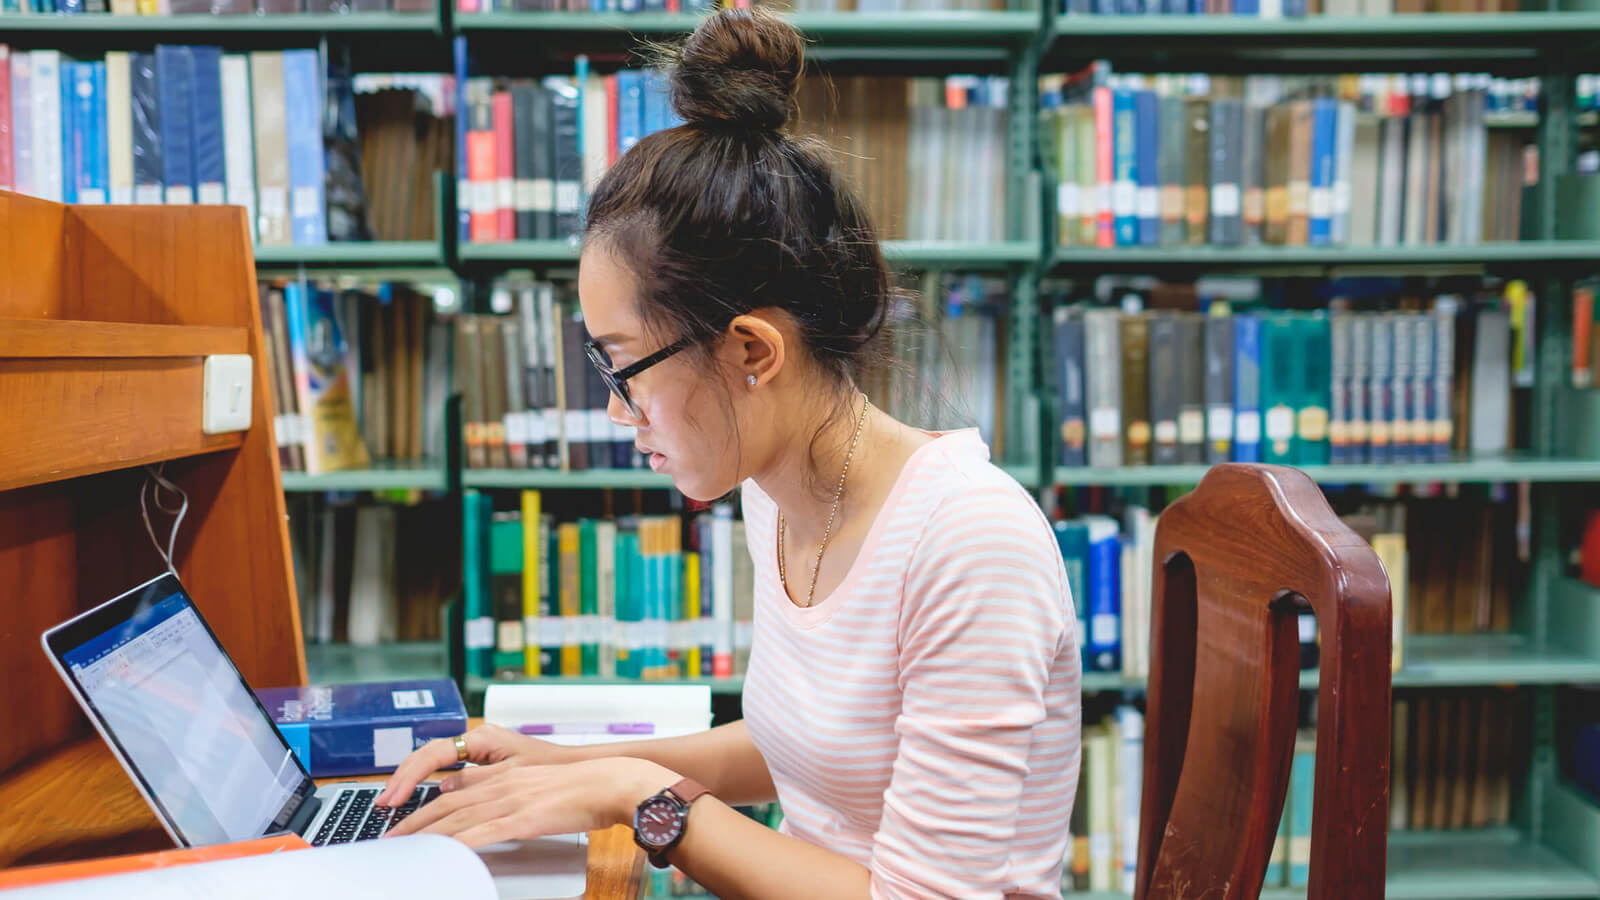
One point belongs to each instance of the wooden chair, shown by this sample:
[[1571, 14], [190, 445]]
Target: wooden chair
[[1232, 560]]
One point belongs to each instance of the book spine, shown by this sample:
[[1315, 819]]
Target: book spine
[[505, 165], [1226, 140], [1400, 391], [1163, 389], [532, 582], [1252, 188], [478, 636], [1311, 416], [119, 127], [100, 157], [1219, 387], [82, 135], [303, 98], [1344, 132], [45, 84], [238, 137], [588, 599], [460, 63], [1380, 390], [206, 126], [1302, 779], [1360, 387], [20, 77], [1424, 404], [524, 150], [1444, 362], [1281, 372], [1125, 193], [1105, 167], [1339, 339], [1104, 603], [1148, 151], [1320, 211], [567, 134], [1247, 388], [1103, 379], [1069, 349], [1191, 376], [175, 83], [1197, 169], [1170, 156], [1136, 429], [481, 164], [8, 178]]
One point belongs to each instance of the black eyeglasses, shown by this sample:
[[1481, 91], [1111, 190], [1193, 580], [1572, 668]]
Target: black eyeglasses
[[617, 379]]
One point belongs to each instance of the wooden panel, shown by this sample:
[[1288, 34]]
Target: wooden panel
[[87, 416], [31, 251], [38, 567], [77, 803], [184, 265], [64, 338]]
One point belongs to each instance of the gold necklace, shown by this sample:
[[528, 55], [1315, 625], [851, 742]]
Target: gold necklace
[[827, 531]]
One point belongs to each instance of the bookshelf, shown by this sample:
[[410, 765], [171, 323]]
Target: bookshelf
[[1258, 259], [382, 476], [1515, 468]]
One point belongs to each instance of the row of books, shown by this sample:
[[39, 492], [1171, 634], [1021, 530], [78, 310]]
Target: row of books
[[355, 375], [1296, 388], [1456, 758], [373, 573], [1228, 161], [1285, 9], [274, 132], [926, 155], [532, 147], [650, 597], [698, 6], [209, 7]]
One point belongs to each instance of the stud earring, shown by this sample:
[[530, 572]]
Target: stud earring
[[751, 379]]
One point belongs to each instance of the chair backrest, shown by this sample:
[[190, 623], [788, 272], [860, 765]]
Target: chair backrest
[[1231, 561]]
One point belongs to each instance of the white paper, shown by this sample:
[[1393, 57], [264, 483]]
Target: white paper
[[674, 709], [423, 865]]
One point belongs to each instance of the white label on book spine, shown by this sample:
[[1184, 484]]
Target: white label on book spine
[[390, 746], [1166, 432], [91, 197], [1308, 628], [530, 631], [505, 194], [508, 636], [482, 197], [1105, 423], [743, 635], [150, 195], [1125, 198], [479, 633], [1103, 197], [1247, 427], [304, 202], [1149, 202], [212, 193], [1321, 203], [1280, 423], [1191, 426], [417, 699], [1225, 200], [1067, 196], [550, 631], [544, 195], [1219, 423], [1100, 847], [567, 195], [1104, 629], [179, 195], [279, 431], [524, 193], [1341, 197], [122, 196]]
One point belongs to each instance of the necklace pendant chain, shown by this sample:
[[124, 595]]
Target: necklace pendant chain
[[827, 531]]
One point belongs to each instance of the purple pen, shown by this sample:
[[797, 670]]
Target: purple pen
[[588, 728]]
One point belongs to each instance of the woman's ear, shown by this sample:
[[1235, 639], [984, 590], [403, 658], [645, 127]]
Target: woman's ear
[[756, 348]]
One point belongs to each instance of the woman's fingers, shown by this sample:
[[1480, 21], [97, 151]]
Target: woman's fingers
[[423, 761], [468, 777]]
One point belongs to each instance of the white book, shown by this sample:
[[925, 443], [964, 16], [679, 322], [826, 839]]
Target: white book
[[21, 119], [1343, 164], [595, 139], [1391, 178], [119, 126], [1364, 199], [45, 86], [238, 136], [372, 577]]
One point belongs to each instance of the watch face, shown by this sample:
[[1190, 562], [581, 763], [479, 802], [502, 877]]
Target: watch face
[[658, 821]]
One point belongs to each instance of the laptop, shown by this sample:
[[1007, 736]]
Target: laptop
[[204, 753]]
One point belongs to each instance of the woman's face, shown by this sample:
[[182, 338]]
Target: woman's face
[[685, 423]]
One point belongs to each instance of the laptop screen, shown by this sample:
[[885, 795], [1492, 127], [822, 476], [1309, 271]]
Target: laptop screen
[[187, 723]]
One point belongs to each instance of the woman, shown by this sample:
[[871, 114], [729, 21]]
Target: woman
[[913, 689]]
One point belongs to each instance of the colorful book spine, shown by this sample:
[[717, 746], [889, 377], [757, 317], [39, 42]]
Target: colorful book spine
[[1125, 192], [1146, 115], [1315, 384], [303, 99], [206, 124], [175, 87], [1247, 388], [532, 583], [478, 619], [1104, 587]]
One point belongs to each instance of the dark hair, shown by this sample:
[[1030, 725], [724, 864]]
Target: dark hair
[[730, 213]]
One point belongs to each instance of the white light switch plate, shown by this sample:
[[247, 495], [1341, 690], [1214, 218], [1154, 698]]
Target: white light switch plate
[[227, 394]]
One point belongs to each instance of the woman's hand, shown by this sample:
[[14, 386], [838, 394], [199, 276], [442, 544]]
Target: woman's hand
[[486, 745], [512, 800]]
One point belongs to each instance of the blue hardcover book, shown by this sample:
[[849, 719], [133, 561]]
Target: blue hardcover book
[[1125, 160], [463, 185], [1149, 137], [1103, 583], [205, 126], [77, 138], [1246, 388], [630, 108], [147, 163], [363, 729], [69, 7], [175, 88], [655, 102], [1324, 132], [1247, 7], [1106, 7], [1072, 536], [100, 155], [302, 93], [1294, 9], [1380, 387], [1400, 389]]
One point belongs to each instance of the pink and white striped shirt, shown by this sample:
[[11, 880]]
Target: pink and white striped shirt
[[923, 719]]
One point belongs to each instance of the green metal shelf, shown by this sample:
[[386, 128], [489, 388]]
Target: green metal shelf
[[1461, 42], [1492, 864], [1432, 661], [476, 684], [343, 663], [1483, 471], [1516, 118], [417, 254], [554, 478], [192, 26], [382, 476], [919, 254], [882, 29], [1259, 257]]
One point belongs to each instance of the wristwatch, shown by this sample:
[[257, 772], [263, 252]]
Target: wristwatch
[[659, 822]]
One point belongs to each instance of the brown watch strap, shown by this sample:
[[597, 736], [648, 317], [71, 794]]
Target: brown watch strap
[[688, 790]]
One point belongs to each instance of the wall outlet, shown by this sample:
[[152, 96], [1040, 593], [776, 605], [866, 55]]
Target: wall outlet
[[227, 394]]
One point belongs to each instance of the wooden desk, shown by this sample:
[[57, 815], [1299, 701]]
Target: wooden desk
[[78, 803]]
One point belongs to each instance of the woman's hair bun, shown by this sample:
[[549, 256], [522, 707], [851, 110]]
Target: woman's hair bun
[[739, 68]]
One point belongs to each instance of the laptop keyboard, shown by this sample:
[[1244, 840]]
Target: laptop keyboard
[[354, 818]]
